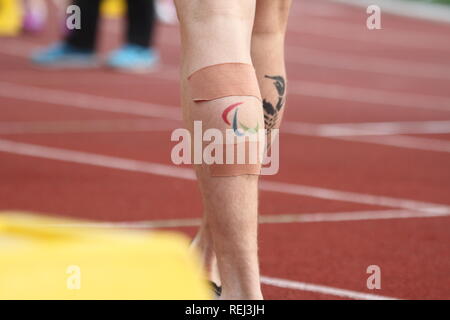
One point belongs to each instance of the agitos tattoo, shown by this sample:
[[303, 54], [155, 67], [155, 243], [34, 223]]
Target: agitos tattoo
[[271, 112], [238, 127]]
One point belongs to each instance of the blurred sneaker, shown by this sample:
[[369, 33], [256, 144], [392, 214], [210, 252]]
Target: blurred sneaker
[[133, 58], [63, 55]]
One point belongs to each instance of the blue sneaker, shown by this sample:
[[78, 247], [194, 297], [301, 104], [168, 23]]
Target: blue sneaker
[[133, 58], [64, 55]]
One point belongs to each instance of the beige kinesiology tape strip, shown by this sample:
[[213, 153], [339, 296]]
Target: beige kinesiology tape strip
[[238, 159], [224, 80], [230, 80]]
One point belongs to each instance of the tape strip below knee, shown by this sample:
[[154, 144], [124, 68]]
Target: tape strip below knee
[[224, 80], [249, 164], [233, 170]]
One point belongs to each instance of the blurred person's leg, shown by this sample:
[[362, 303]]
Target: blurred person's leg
[[218, 33], [166, 12], [137, 54], [85, 38], [78, 47], [141, 17], [35, 15]]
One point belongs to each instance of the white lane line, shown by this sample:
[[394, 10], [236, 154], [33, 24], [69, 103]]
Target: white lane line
[[282, 283], [344, 133], [80, 157], [87, 101], [376, 128], [340, 132], [354, 62], [416, 143], [338, 92], [349, 216], [305, 56], [356, 32], [360, 33], [86, 126], [303, 286], [421, 10], [371, 96], [378, 65], [330, 194], [348, 93], [335, 60], [263, 219], [340, 30], [125, 106], [372, 64], [303, 88], [294, 127]]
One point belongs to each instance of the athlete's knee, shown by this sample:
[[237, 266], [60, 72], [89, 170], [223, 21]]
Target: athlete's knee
[[227, 97]]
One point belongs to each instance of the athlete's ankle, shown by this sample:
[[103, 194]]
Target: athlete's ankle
[[203, 243]]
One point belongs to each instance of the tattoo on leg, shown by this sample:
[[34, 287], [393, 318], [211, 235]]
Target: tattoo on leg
[[270, 111], [238, 127]]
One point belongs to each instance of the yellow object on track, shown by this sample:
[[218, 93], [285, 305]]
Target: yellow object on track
[[113, 8], [10, 17], [47, 258]]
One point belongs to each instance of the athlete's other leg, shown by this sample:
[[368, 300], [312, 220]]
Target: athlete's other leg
[[85, 38], [218, 32], [141, 22], [268, 57]]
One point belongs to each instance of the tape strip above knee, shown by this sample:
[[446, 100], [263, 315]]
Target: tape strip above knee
[[224, 80]]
